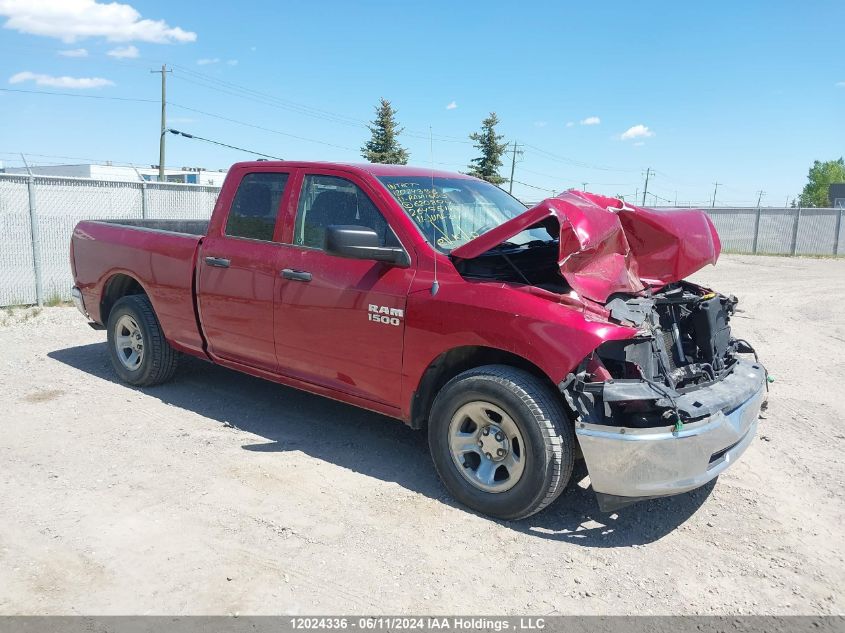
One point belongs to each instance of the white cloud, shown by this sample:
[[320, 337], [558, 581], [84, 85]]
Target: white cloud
[[60, 82], [72, 20], [636, 131], [570, 123], [840, 84], [452, 105], [206, 61], [232, 62], [124, 52], [591, 120], [639, 143], [74, 52], [540, 123]]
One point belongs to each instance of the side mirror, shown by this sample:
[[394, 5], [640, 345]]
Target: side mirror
[[361, 242]]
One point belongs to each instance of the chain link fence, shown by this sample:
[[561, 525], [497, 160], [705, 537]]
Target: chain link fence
[[770, 231], [38, 213]]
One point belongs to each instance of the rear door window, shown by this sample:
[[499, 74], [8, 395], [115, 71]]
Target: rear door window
[[256, 206]]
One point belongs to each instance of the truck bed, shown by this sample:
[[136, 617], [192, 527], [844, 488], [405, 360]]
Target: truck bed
[[187, 227], [159, 255]]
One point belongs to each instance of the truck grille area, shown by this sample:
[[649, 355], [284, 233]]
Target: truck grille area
[[686, 337], [666, 375]]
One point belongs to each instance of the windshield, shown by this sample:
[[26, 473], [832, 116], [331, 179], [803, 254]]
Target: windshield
[[452, 211]]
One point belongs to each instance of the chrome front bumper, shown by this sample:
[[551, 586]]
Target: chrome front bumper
[[630, 464]]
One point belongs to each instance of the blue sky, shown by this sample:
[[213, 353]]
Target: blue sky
[[744, 93]]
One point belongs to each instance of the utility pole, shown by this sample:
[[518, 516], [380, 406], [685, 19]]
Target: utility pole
[[584, 186], [645, 189], [715, 189], [513, 166], [760, 195], [163, 72], [26, 164]]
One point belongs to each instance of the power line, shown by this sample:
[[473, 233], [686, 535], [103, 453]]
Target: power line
[[176, 105], [525, 184], [576, 163], [71, 94], [274, 104], [208, 79], [226, 87], [208, 140], [259, 127], [85, 158]]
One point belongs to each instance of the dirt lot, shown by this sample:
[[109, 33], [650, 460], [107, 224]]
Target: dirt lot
[[220, 493]]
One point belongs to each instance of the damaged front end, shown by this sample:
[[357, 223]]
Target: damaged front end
[[669, 409]]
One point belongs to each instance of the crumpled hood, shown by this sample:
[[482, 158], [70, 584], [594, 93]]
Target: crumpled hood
[[608, 246]]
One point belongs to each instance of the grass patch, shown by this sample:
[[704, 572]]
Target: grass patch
[[56, 300]]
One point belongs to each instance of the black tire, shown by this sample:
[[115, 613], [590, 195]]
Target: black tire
[[545, 427], [158, 361]]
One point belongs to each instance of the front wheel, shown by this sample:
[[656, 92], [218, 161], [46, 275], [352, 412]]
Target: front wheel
[[139, 352], [501, 441]]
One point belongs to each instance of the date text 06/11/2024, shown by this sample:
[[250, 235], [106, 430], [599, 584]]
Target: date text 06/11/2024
[[419, 623]]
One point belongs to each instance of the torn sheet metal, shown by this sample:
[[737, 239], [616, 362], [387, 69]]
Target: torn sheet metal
[[608, 246]]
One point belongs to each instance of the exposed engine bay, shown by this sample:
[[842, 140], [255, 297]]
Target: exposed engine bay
[[673, 372], [686, 337], [683, 343]]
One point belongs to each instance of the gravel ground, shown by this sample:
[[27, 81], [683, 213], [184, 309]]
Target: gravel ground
[[220, 493]]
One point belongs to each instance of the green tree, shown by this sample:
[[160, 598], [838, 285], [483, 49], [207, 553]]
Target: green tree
[[492, 149], [819, 179], [383, 146]]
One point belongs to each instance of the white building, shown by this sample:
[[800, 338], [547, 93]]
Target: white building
[[189, 175]]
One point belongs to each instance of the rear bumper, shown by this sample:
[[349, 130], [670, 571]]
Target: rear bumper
[[630, 464], [78, 300]]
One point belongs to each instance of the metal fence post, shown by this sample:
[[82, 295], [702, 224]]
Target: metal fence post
[[794, 245], [756, 231], [144, 200], [837, 229], [35, 240]]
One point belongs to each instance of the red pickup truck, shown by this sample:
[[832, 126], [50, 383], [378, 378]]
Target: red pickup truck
[[440, 300]]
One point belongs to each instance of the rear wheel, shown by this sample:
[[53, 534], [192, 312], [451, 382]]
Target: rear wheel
[[501, 441], [139, 352]]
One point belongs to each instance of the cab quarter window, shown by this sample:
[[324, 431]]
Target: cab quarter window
[[256, 205], [327, 200]]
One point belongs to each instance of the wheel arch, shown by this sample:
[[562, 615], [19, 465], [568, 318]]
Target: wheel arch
[[116, 287], [457, 360]]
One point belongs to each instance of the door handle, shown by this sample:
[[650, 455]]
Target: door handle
[[296, 275], [220, 262]]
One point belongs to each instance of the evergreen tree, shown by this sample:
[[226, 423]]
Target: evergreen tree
[[383, 147], [492, 149]]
